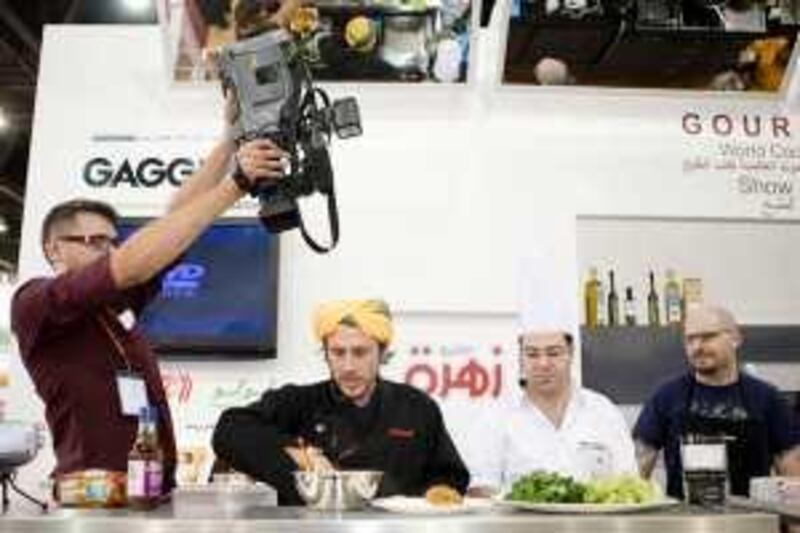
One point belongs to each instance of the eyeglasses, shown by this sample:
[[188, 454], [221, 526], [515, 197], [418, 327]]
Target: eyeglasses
[[98, 241]]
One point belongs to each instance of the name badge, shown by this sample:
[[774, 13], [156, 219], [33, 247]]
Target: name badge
[[593, 460], [127, 319], [704, 457], [132, 393]]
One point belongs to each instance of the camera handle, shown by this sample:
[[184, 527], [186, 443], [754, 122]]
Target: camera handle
[[333, 218], [285, 212], [318, 161], [321, 163]]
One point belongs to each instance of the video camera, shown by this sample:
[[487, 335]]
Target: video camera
[[277, 99]]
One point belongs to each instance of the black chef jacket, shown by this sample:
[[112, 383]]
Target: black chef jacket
[[400, 432]]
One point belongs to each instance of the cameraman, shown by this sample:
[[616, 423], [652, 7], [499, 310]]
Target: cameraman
[[89, 362]]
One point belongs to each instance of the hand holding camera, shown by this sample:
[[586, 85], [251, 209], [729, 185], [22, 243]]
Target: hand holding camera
[[261, 158], [258, 162]]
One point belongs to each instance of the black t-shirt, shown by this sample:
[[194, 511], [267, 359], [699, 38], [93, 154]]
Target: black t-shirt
[[662, 418]]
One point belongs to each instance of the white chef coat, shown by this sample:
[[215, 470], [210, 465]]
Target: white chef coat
[[517, 438]]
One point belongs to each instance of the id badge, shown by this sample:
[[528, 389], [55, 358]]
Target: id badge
[[132, 393], [594, 460], [711, 457]]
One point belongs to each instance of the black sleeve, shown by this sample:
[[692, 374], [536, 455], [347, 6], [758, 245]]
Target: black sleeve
[[251, 439], [444, 465], [781, 427]]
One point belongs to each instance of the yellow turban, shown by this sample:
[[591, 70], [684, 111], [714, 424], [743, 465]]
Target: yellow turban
[[370, 316]]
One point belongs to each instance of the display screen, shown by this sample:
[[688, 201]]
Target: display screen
[[220, 299]]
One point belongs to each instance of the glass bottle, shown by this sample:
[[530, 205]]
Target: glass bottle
[[653, 318], [630, 307], [602, 315], [590, 298], [145, 463], [673, 303], [613, 301]]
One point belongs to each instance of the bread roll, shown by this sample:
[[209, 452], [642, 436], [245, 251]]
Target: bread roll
[[443, 495]]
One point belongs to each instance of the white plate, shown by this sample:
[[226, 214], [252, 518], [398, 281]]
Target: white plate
[[587, 508], [411, 505]]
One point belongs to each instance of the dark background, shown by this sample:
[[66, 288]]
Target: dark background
[[21, 23]]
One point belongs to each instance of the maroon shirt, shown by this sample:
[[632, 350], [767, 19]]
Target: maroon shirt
[[73, 363]]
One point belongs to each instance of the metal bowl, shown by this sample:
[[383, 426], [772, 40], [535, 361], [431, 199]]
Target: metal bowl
[[337, 490]]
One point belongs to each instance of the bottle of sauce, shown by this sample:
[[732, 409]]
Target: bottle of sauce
[[145, 463], [590, 299], [613, 301], [653, 303], [630, 307], [673, 301]]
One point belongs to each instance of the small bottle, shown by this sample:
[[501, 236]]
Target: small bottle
[[692, 292], [613, 301], [673, 303], [602, 315], [653, 318], [145, 463], [590, 301], [630, 307]]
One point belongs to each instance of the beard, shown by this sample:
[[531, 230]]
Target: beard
[[357, 390], [707, 370], [711, 366]]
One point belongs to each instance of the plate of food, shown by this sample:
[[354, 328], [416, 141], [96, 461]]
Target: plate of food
[[547, 492], [588, 508], [437, 500]]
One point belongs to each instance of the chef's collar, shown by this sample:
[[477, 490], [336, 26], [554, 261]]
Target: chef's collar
[[339, 397]]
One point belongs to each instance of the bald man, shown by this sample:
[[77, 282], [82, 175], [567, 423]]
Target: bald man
[[716, 398], [352, 421]]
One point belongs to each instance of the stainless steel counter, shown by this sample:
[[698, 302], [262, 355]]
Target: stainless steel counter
[[790, 512], [263, 519]]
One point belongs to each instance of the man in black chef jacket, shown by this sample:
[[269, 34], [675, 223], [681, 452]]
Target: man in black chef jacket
[[352, 421]]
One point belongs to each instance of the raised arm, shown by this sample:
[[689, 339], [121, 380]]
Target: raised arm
[[159, 243], [211, 172]]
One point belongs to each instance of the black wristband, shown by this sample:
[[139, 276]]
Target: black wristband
[[241, 181]]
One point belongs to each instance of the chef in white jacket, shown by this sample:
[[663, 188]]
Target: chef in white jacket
[[554, 425]]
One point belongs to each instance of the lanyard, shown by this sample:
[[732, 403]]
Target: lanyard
[[117, 344]]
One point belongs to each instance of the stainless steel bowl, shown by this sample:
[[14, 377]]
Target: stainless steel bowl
[[338, 490]]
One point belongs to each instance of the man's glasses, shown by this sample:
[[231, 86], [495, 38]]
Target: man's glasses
[[98, 241], [703, 337]]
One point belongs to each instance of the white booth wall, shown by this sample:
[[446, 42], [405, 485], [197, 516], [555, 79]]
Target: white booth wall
[[447, 201]]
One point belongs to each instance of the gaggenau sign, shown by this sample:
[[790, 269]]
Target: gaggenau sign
[[147, 172]]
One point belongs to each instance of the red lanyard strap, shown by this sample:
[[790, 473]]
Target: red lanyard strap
[[117, 344]]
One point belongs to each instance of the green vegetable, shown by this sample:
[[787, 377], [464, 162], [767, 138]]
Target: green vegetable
[[547, 487], [550, 487], [621, 489]]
